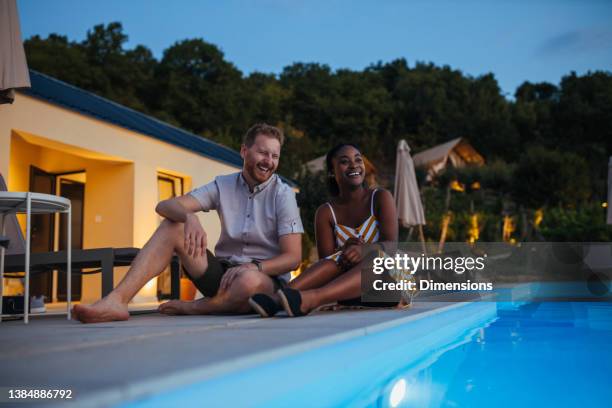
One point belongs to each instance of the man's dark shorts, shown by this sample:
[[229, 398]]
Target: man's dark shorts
[[208, 284]]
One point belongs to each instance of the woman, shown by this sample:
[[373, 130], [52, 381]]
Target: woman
[[355, 217]]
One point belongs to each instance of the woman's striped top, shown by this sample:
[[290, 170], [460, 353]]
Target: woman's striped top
[[368, 231]]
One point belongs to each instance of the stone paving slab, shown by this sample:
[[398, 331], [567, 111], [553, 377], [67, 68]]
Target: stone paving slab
[[53, 352]]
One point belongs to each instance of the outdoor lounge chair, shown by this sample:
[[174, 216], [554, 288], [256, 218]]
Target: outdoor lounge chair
[[44, 262]]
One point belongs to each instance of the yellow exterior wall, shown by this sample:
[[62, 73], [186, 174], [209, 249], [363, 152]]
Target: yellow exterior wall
[[121, 169], [104, 180]]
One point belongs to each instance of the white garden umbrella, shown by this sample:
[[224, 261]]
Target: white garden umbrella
[[407, 195], [610, 191], [13, 66]]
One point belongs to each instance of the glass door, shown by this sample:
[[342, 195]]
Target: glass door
[[49, 235], [43, 227], [71, 186]]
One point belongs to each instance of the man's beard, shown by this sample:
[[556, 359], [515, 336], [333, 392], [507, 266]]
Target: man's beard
[[256, 175]]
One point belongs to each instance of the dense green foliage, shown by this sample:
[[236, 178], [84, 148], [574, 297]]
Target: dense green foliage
[[546, 148], [572, 225]]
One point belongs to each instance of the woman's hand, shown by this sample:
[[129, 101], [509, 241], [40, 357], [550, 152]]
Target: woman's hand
[[352, 251]]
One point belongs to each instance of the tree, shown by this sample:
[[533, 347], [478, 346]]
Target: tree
[[98, 64], [311, 89], [532, 113], [548, 177], [59, 58], [582, 122], [550, 146], [489, 120], [200, 89]]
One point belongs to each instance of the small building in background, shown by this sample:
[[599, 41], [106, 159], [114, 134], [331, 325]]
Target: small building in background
[[457, 153]]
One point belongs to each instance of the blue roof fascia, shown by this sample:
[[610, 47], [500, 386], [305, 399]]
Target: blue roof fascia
[[77, 99], [71, 97]]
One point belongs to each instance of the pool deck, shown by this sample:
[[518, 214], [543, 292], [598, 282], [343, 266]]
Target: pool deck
[[114, 362]]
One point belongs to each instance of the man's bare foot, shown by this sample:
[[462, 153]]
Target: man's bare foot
[[106, 309], [179, 307]]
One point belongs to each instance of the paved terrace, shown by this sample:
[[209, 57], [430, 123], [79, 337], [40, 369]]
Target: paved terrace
[[116, 359]]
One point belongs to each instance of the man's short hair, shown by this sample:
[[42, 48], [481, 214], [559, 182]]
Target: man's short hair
[[262, 129]]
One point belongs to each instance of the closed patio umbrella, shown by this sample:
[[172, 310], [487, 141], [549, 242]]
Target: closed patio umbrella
[[13, 66], [610, 191], [407, 195]]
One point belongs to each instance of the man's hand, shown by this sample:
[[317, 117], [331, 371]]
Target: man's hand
[[195, 237], [232, 273]]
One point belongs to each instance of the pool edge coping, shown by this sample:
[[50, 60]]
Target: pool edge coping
[[164, 383]]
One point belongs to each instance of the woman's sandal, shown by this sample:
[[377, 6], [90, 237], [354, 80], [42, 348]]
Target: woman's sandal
[[291, 300], [264, 305]]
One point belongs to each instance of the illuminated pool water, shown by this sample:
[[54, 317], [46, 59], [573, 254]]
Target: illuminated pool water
[[481, 354], [552, 354]]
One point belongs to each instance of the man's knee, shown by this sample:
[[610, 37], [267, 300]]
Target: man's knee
[[251, 282], [173, 234], [171, 229]]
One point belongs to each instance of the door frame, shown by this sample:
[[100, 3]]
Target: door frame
[[54, 232], [77, 280]]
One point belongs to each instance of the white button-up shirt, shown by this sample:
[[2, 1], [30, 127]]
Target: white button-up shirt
[[251, 222]]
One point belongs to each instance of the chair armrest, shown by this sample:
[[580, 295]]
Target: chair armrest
[[124, 256], [81, 258]]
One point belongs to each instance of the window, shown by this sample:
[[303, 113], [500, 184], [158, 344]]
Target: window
[[169, 186]]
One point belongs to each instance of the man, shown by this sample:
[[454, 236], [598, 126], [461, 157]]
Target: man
[[260, 239]]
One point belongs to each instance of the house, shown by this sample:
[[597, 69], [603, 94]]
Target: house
[[457, 153], [114, 163]]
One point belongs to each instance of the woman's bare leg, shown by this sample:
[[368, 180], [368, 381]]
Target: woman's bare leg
[[344, 287], [316, 275]]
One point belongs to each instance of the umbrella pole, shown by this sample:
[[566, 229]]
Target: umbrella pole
[[410, 231], [445, 222], [422, 239]]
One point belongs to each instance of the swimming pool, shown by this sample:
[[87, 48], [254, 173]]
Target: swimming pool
[[550, 354], [462, 355]]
